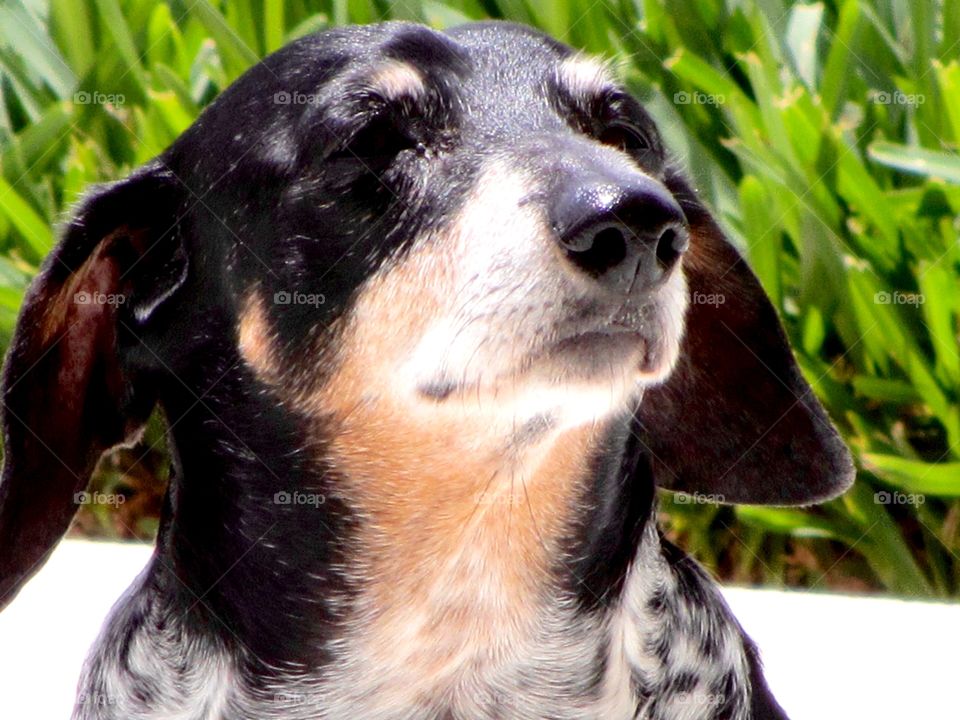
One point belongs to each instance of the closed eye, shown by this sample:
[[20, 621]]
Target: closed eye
[[625, 137], [378, 142], [614, 118]]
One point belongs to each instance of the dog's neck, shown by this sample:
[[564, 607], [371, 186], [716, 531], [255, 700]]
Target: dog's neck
[[483, 485], [332, 595], [464, 520], [458, 499], [369, 505]]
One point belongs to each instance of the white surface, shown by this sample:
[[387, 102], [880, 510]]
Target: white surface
[[827, 656], [836, 657]]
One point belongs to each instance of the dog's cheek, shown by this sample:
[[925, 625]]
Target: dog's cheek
[[466, 302]]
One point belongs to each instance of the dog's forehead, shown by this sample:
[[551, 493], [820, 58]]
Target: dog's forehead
[[494, 55], [517, 74], [511, 66], [495, 66], [498, 48]]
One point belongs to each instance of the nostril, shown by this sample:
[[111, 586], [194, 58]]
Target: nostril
[[596, 252], [671, 244]]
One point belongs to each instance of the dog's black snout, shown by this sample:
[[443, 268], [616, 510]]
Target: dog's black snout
[[626, 235]]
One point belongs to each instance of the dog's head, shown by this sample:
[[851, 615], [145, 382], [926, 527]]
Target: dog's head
[[480, 224]]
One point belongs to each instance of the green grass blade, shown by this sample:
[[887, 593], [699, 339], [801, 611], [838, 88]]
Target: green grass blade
[[915, 476], [123, 37], [917, 161], [33, 228], [237, 55]]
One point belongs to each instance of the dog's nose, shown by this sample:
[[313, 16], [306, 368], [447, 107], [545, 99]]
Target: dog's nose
[[626, 235]]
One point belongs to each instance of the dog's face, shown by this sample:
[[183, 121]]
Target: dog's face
[[480, 224], [505, 201]]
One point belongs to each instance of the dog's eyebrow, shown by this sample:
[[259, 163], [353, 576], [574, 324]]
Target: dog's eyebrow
[[580, 76], [395, 79], [387, 84]]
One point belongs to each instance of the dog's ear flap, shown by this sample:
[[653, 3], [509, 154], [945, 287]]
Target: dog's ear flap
[[68, 394], [736, 419]]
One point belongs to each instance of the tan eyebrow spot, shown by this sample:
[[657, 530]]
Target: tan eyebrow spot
[[255, 338], [397, 79], [582, 75]]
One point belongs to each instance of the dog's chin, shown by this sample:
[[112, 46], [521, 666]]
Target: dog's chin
[[608, 354], [583, 378], [573, 369]]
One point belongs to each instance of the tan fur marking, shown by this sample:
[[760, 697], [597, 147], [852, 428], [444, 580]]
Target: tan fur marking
[[397, 79], [459, 538], [255, 341]]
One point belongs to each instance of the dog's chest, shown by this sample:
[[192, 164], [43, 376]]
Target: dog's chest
[[654, 654], [469, 640], [492, 669]]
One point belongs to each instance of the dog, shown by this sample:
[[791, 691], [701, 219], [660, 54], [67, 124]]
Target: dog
[[419, 310]]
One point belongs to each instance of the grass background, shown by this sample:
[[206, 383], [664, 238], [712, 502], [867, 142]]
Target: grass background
[[824, 135]]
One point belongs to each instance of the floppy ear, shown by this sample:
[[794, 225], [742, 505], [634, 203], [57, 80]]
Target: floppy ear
[[68, 394], [736, 419]]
